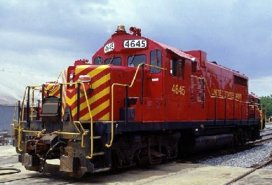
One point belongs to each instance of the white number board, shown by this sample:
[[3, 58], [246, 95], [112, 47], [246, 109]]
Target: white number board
[[109, 47], [136, 43]]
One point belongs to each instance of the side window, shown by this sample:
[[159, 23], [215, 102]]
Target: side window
[[155, 60], [135, 60], [194, 67], [240, 81], [116, 61], [177, 67], [98, 61]]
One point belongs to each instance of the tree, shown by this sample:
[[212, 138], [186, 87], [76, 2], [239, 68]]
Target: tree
[[266, 102]]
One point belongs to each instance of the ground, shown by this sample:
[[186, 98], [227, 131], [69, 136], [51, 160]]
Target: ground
[[169, 173]]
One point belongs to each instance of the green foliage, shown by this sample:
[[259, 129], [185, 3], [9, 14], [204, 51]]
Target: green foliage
[[266, 102]]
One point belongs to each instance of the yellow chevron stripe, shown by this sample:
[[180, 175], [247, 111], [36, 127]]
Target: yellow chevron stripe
[[106, 117], [93, 72], [98, 70], [96, 97], [53, 89], [100, 95], [101, 107], [97, 110], [80, 68], [93, 99], [85, 117], [102, 80], [74, 112], [54, 94], [70, 101]]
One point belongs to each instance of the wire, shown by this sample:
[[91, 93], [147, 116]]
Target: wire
[[47, 153], [13, 171]]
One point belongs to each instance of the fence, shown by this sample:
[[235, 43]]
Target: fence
[[6, 116]]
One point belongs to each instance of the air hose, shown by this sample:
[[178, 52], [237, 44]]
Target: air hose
[[9, 171]]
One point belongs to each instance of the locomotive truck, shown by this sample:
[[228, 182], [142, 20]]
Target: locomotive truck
[[136, 102]]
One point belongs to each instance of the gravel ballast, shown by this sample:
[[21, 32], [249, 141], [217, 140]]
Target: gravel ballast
[[246, 158]]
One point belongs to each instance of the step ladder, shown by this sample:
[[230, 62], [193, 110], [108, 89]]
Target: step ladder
[[101, 154]]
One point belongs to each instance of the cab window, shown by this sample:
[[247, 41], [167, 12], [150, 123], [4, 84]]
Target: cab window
[[114, 61], [98, 61], [135, 60], [177, 67], [155, 60], [194, 67]]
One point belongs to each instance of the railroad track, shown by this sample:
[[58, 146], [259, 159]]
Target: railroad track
[[266, 134], [263, 140], [196, 158], [41, 178], [256, 167], [265, 137], [266, 130]]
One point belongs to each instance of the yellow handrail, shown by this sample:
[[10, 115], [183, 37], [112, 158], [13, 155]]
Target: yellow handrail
[[84, 132], [89, 110], [66, 133], [20, 123], [112, 98], [38, 133], [90, 156], [21, 117]]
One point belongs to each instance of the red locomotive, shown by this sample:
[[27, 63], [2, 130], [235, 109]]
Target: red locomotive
[[137, 102]]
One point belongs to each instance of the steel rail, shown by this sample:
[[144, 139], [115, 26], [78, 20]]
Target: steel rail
[[250, 171]]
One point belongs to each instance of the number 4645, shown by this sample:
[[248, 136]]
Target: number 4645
[[178, 89]]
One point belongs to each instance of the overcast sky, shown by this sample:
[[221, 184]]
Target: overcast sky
[[38, 39]]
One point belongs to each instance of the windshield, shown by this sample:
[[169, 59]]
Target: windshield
[[113, 60], [135, 60]]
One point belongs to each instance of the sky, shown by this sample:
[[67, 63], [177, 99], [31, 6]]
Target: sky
[[38, 39]]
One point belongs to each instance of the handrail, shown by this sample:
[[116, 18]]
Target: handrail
[[84, 132], [21, 117], [112, 98], [32, 104], [39, 133], [20, 123], [90, 156]]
